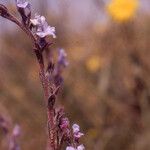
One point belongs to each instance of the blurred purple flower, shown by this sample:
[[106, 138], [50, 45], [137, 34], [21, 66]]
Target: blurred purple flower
[[80, 147], [61, 64], [42, 27], [62, 58], [16, 131], [76, 131], [22, 4], [64, 123], [4, 125], [13, 143], [76, 128], [65, 128], [70, 148]]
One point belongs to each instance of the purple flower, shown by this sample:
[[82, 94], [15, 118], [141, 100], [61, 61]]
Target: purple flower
[[42, 27], [61, 64], [16, 131], [62, 58], [76, 131], [70, 148], [64, 126], [38, 20], [22, 4], [13, 143], [24, 8], [64, 123], [76, 128], [80, 147]]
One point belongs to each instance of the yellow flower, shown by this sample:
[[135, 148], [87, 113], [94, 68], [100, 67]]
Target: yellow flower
[[93, 63], [122, 10]]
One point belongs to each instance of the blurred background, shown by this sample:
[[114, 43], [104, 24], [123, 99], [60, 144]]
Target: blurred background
[[106, 85]]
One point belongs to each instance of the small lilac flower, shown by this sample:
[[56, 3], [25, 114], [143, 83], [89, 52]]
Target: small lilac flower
[[70, 148], [76, 131], [4, 125], [16, 131], [78, 135], [62, 58], [80, 147], [64, 123], [61, 64], [42, 27], [76, 128], [24, 8], [13, 141], [38, 20], [22, 4], [64, 126]]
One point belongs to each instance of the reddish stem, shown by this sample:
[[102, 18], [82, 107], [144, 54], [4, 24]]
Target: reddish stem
[[50, 111]]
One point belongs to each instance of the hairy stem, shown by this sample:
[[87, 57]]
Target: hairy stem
[[50, 111]]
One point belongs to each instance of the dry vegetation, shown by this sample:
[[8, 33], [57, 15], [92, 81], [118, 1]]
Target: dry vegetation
[[111, 102]]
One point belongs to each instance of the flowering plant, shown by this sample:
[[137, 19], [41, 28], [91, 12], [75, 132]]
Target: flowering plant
[[37, 29], [122, 10], [12, 133]]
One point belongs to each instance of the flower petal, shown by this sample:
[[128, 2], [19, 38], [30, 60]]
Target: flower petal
[[76, 128], [81, 147], [70, 148]]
